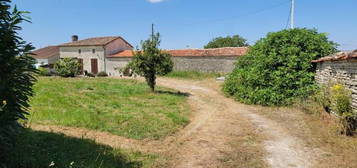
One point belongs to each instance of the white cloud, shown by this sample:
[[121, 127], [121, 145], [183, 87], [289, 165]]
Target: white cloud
[[155, 1]]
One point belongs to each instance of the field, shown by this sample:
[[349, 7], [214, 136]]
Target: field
[[122, 107]]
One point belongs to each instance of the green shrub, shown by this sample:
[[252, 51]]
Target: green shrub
[[341, 103], [16, 77], [43, 71], [334, 98], [67, 67], [102, 74], [126, 71], [89, 74], [278, 69]]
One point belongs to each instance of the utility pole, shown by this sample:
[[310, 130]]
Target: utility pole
[[152, 32], [292, 17]]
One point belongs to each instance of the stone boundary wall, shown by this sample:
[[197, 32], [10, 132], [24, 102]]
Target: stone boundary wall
[[206, 64], [342, 71]]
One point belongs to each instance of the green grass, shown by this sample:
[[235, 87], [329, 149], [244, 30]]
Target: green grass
[[122, 107], [192, 75], [36, 149]]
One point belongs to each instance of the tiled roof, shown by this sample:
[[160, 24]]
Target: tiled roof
[[228, 51], [338, 57], [96, 41], [44, 53]]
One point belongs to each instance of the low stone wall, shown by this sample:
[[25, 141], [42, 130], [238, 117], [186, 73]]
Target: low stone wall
[[218, 64], [342, 71]]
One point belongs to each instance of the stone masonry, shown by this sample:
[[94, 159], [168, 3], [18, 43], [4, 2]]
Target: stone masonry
[[341, 68]]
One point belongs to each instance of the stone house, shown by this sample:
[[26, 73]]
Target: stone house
[[92, 52], [46, 57], [341, 68]]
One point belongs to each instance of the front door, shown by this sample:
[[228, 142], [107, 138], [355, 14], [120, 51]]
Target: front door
[[94, 66]]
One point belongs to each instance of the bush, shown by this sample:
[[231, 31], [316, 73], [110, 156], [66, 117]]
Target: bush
[[67, 67], [341, 103], [102, 74], [16, 77], [336, 99], [278, 69], [43, 71], [89, 74]]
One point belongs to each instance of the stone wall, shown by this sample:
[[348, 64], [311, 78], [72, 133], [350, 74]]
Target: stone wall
[[342, 71], [219, 64]]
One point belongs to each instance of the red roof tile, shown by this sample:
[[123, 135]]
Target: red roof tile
[[96, 41], [228, 51], [338, 57], [44, 53]]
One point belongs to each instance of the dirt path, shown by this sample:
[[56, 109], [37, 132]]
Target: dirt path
[[216, 120], [216, 117]]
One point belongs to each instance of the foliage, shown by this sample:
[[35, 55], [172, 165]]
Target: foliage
[[151, 61], [121, 107], [126, 71], [67, 67], [278, 68], [102, 74], [341, 103], [16, 76], [192, 75], [229, 41], [37, 149], [43, 71]]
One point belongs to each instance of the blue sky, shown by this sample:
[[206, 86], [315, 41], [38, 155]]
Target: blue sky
[[184, 23]]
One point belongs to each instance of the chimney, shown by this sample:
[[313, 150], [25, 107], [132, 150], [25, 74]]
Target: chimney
[[74, 38]]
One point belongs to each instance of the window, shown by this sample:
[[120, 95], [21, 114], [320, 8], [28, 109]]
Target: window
[[79, 51], [93, 51]]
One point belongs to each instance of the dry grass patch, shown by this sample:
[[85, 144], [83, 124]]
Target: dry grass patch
[[319, 131], [246, 149]]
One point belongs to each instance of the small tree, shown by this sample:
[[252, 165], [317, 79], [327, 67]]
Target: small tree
[[229, 41], [16, 76], [67, 67], [151, 61]]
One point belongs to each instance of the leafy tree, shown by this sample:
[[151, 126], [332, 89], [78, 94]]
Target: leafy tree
[[151, 61], [67, 67], [16, 76], [229, 41], [278, 68]]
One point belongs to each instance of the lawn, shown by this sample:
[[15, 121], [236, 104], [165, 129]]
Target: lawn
[[122, 107], [36, 149], [192, 75]]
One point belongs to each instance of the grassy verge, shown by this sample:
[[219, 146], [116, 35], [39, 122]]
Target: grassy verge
[[192, 75], [122, 107], [44, 149]]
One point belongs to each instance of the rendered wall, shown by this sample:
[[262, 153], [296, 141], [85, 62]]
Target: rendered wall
[[86, 54]]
